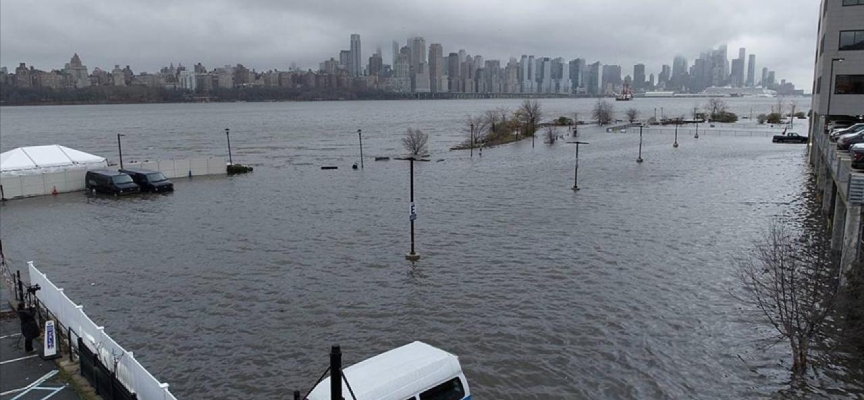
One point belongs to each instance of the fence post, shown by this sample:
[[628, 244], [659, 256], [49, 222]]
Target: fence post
[[20, 286], [69, 340], [164, 387]]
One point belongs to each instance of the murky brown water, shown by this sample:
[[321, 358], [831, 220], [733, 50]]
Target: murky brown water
[[236, 287]]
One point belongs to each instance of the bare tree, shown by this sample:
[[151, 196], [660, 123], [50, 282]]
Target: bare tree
[[715, 107], [632, 114], [793, 281], [415, 141], [529, 115], [780, 102], [475, 128], [603, 112]]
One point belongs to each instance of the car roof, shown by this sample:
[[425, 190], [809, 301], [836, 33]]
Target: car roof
[[106, 172], [396, 374], [139, 170]]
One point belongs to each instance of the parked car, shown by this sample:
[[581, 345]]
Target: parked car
[[110, 182], [149, 180], [790, 137], [847, 140], [836, 133], [857, 153]]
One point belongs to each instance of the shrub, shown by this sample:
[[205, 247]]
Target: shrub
[[725, 116], [774, 118], [762, 118]]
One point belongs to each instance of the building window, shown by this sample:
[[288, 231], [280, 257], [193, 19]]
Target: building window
[[822, 45], [819, 85], [852, 40], [849, 84], [851, 2]]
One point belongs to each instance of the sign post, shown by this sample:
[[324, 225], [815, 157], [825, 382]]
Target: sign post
[[49, 349]]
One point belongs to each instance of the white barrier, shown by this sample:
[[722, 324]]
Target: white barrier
[[15, 186], [128, 370]]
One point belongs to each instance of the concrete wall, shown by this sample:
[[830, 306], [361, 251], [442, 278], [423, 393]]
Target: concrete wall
[[16, 186]]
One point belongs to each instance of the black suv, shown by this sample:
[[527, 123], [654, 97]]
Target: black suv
[[149, 180], [111, 182]]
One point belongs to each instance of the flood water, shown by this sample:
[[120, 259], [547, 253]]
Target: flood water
[[235, 287]]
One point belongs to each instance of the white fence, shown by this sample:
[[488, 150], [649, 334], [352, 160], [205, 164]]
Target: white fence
[[72, 180], [69, 315]]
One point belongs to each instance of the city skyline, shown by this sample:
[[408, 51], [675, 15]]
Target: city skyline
[[268, 35]]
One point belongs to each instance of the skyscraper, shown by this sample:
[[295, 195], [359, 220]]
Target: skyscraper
[[355, 66], [751, 70], [527, 66], [764, 81], [436, 68], [453, 72], [418, 51], [577, 67], [680, 78], [639, 77], [375, 64], [592, 78], [395, 52]]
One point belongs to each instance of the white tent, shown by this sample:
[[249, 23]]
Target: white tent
[[52, 158]]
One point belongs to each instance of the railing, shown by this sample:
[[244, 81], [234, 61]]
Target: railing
[[93, 339], [683, 132]]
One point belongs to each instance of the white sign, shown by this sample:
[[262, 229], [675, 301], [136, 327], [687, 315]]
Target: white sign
[[50, 348], [412, 213]]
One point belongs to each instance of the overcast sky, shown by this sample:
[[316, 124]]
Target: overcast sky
[[271, 34]]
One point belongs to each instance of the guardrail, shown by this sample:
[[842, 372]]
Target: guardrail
[[128, 371]]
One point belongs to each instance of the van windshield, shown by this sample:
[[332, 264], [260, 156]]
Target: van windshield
[[121, 179], [156, 177]]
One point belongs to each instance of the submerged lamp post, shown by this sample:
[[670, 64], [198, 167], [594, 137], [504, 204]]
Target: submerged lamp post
[[576, 170], [120, 149], [675, 144], [639, 160], [472, 140], [360, 136], [415, 142], [227, 136], [831, 85]]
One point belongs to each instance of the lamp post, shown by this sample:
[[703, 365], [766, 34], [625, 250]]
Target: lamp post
[[120, 149], [412, 215], [227, 136], [831, 86], [576, 170], [639, 160], [360, 136], [472, 140], [675, 144]]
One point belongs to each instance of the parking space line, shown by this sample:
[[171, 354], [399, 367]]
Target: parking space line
[[27, 388], [18, 359], [8, 336]]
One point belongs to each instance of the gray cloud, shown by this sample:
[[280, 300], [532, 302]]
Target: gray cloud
[[267, 34]]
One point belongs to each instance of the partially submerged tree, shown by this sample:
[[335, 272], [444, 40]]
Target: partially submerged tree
[[415, 142], [715, 107], [603, 112], [632, 114], [529, 115], [794, 282]]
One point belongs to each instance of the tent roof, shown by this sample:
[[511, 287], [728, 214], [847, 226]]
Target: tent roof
[[45, 157]]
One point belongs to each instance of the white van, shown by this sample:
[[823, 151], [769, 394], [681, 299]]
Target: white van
[[415, 371]]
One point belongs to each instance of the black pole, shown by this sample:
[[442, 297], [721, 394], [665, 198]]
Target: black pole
[[675, 144], [20, 286], [120, 150], [296, 395], [335, 373], [697, 131], [576, 171], [472, 140], [360, 136], [412, 203], [639, 160], [227, 136]]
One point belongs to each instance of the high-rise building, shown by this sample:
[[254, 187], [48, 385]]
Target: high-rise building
[[577, 67], [355, 66], [610, 79], [418, 51], [395, 52], [436, 68], [77, 72], [639, 77], [593, 78], [375, 64], [665, 75], [751, 71], [344, 59], [527, 67], [453, 72], [680, 75], [764, 81]]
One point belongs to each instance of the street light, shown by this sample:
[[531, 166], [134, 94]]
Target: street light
[[831, 86], [360, 136], [227, 136], [120, 149], [576, 171], [639, 160], [472, 140], [675, 144]]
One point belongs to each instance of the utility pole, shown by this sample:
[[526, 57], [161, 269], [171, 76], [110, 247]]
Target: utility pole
[[120, 149], [228, 136], [576, 170], [360, 136]]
